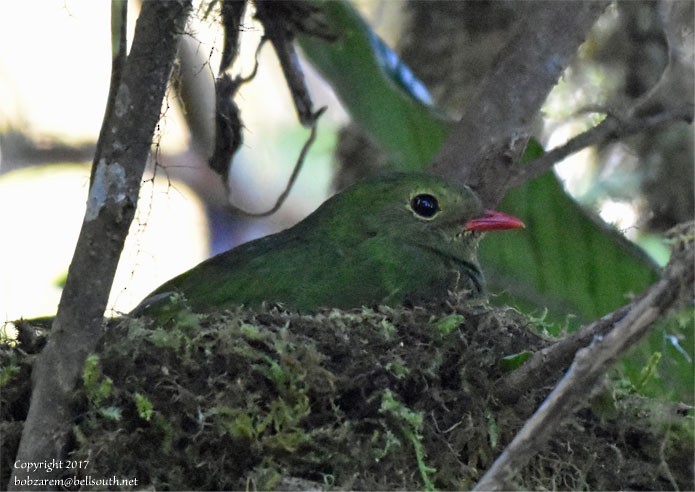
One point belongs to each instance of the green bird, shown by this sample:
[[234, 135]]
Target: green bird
[[403, 237]]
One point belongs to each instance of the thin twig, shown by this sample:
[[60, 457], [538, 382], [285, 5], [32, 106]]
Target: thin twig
[[119, 53], [232, 12], [294, 76], [609, 129], [295, 172], [228, 124]]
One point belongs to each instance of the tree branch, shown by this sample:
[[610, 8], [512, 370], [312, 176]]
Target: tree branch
[[115, 182], [673, 290], [610, 128], [547, 363], [477, 151]]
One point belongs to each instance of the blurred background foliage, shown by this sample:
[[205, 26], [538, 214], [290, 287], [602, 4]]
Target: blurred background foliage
[[393, 83]]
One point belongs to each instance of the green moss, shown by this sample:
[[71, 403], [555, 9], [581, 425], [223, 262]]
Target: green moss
[[510, 362], [410, 424], [377, 399], [97, 387], [449, 323], [144, 406], [8, 372]]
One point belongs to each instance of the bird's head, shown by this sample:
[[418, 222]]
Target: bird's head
[[418, 209]]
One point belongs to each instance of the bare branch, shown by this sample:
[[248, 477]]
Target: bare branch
[[610, 128], [673, 290], [232, 14], [119, 53], [116, 174]]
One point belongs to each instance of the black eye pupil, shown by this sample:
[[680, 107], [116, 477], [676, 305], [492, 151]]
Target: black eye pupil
[[424, 205]]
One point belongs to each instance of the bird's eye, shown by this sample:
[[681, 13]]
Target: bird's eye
[[425, 205]]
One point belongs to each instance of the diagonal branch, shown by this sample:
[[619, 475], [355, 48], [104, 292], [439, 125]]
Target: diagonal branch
[[115, 182], [477, 150], [609, 129], [548, 362]]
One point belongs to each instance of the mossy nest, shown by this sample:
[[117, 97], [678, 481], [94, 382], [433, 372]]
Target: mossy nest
[[371, 399]]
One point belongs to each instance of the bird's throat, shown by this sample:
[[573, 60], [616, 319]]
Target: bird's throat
[[470, 276]]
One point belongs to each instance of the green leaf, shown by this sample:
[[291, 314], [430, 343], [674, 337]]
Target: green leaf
[[564, 260], [449, 323], [513, 361], [144, 406], [647, 372]]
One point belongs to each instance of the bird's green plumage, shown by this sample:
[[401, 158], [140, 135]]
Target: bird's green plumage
[[363, 246]]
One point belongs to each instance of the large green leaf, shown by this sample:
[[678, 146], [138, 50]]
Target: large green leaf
[[565, 261]]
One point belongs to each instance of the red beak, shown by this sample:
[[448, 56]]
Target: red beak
[[492, 220]]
